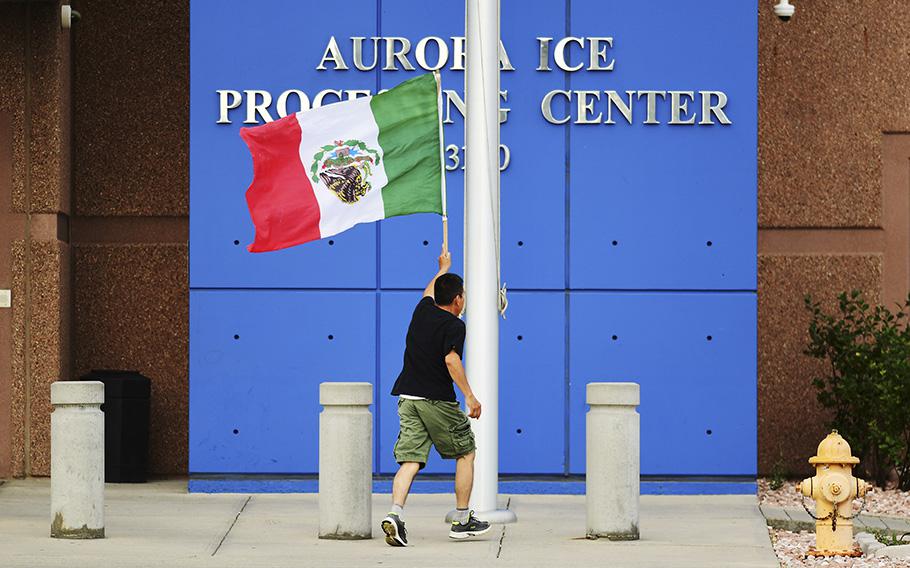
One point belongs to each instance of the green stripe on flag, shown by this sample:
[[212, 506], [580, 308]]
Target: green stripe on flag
[[409, 137]]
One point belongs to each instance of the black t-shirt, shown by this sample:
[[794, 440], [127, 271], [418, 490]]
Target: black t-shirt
[[432, 335]]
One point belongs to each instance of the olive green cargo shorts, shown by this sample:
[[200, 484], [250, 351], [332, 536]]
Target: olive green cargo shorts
[[432, 422]]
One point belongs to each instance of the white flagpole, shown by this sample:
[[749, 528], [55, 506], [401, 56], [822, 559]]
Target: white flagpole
[[442, 164], [481, 229]]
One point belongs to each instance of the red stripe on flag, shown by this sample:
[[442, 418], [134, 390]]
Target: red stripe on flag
[[281, 199]]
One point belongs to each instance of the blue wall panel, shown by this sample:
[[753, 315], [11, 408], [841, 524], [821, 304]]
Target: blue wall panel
[[533, 187], [694, 357], [662, 192], [256, 361], [532, 386], [223, 56]]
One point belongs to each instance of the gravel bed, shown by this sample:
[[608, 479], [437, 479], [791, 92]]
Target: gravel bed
[[891, 503], [791, 550]]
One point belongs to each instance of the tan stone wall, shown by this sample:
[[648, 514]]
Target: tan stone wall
[[831, 82], [41, 349], [131, 199], [34, 209], [123, 252], [790, 421], [131, 109], [131, 312]]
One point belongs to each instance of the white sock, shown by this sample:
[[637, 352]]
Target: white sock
[[398, 510], [461, 516]]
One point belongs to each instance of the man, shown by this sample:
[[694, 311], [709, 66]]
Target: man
[[427, 409]]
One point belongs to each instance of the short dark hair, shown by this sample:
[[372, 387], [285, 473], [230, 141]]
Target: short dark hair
[[446, 288]]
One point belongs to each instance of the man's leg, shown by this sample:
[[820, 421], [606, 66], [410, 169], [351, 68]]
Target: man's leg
[[464, 480], [402, 484], [450, 430], [465, 524], [393, 524], [411, 450]]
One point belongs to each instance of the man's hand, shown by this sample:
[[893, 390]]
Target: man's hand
[[473, 406], [445, 262]]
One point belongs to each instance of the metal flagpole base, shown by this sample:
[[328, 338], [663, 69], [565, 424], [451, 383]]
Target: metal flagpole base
[[497, 517]]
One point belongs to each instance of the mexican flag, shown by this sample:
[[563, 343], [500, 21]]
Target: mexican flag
[[319, 172]]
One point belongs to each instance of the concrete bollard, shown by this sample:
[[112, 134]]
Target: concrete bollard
[[77, 460], [345, 461], [613, 469]]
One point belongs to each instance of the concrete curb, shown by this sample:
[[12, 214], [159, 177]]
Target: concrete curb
[[868, 543], [796, 520], [872, 547], [878, 522], [792, 526], [899, 551]]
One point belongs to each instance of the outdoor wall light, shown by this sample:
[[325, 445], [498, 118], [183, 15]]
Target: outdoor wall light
[[784, 10], [68, 16]]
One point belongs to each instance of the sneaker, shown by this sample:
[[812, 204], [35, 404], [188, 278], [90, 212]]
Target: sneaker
[[395, 533], [473, 527]]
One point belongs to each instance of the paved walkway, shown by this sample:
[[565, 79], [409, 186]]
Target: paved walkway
[[159, 524], [797, 518]]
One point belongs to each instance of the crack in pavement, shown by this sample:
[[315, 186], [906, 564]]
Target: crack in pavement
[[237, 516], [502, 537]]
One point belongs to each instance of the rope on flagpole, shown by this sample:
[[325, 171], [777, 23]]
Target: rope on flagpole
[[494, 173], [442, 164]]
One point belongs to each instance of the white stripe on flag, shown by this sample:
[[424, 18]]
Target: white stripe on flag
[[318, 127]]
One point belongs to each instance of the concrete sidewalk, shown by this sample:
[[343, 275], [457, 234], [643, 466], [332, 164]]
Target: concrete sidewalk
[[159, 524]]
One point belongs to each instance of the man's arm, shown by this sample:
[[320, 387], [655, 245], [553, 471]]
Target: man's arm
[[445, 262], [456, 369]]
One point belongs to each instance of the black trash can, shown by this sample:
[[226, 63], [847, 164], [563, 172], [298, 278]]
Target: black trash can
[[126, 424]]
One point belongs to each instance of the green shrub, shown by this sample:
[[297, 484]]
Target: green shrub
[[867, 385], [889, 538], [778, 476]]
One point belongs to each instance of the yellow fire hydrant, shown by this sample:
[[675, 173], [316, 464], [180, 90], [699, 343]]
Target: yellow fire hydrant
[[834, 488]]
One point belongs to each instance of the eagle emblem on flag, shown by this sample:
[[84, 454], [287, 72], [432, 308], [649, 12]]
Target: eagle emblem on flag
[[345, 168]]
